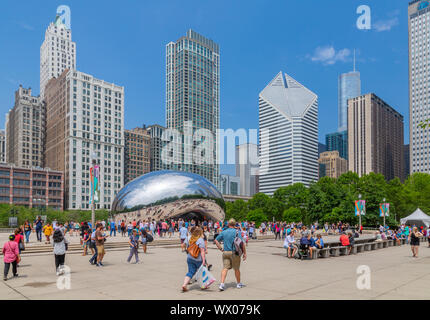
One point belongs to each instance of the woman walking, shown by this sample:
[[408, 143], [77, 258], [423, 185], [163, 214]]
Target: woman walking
[[60, 246], [27, 231], [10, 256], [196, 255], [47, 231], [414, 239]]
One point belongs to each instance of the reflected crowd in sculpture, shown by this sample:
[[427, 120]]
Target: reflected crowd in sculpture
[[162, 195]]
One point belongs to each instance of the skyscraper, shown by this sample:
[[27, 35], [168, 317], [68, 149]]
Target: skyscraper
[[25, 130], [192, 96], [419, 85], [57, 52], [85, 118], [349, 86], [375, 137], [333, 164], [156, 145], [2, 146], [136, 153], [247, 168], [288, 123], [338, 141]]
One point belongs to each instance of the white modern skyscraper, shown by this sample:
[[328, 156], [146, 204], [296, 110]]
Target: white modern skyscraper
[[247, 165], [419, 85], [85, 117], [57, 53], [288, 123], [192, 101]]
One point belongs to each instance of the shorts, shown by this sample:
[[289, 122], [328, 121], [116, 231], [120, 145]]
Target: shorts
[[182, 241], [100, 249], [230, 260]]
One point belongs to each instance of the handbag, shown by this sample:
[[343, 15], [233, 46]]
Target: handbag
[[194, 250]]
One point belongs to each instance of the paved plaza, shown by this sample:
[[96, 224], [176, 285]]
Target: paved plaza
[[267, 274]]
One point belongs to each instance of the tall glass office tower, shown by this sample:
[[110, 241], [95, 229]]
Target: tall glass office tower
[[419, 85], [192, 101], [349, 87]]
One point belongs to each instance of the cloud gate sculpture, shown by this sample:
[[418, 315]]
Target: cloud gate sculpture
[[161, 195]]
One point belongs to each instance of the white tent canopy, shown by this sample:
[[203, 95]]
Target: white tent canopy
[[418, 218]]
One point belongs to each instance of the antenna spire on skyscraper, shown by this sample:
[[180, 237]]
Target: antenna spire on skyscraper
[[354, 60]]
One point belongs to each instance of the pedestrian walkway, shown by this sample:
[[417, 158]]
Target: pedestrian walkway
[[267, 274]]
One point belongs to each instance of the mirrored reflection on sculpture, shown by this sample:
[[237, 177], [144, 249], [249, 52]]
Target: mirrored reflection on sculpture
[[167, 194]]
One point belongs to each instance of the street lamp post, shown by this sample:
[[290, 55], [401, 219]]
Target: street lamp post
[[359, 215], [93, 202], [383, 210]]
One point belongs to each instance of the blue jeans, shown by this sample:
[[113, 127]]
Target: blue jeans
[[193, 266], [27, 236], [94, 257], [39, 234], [114, 232]]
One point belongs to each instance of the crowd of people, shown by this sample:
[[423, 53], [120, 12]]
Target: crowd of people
[[230, 237]]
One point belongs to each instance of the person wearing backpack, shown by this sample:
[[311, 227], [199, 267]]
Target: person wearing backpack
[[233, 248], [196, 255]]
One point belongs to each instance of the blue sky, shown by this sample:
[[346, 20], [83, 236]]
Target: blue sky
[[124, 42]]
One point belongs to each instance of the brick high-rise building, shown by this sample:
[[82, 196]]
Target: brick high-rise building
[[31, 187], [334, 165], [375, 137], [25, 126], [136, 153]]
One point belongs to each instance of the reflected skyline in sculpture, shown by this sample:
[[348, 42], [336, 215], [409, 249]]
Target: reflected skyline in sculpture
[[167, 194]]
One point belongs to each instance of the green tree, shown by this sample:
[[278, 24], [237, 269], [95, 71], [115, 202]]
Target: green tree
[[256, 216], [236, 210], [292, 215]]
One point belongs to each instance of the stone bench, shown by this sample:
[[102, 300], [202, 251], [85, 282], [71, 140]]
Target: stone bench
[[323, 253], [390, 243], [402, 241], [379, 244], [335, 251], [343, 251], [360, 247], [367, 247], [373, 245], [354, 249], [385, 243]]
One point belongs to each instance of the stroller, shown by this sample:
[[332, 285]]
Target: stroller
[[303, 252]]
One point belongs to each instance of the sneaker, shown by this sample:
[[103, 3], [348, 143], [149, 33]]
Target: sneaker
[[58, 273], [102, 264], [240, 285], [4, 279], [209, 267], [221, 287], [98, 265], [15, 275]]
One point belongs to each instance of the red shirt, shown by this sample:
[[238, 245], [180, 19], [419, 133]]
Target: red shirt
[[18, 238], [344, 240], [134, 223]]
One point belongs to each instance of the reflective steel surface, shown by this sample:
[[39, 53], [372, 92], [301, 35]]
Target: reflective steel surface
[[168, 194]]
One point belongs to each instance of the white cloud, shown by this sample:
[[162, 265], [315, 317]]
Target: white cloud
[[328, 55], [386, 25]]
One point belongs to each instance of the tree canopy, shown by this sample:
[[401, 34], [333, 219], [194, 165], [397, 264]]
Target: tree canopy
[[331, 200]]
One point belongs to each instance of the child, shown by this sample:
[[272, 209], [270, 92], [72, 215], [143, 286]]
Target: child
[[85, 241], [244, 235]]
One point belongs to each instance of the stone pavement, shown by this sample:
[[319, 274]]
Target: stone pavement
[[268, 274]]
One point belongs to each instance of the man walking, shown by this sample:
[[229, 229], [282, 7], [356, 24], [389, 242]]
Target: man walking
[[39, 226], [229, 256]]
